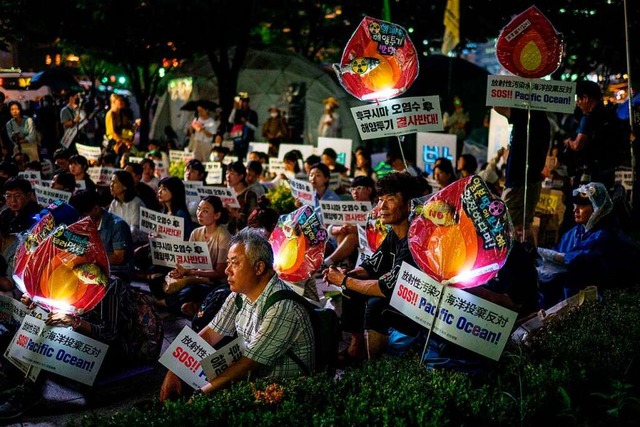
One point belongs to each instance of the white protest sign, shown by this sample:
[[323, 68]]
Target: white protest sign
[[91, 153], [303, 191], [101, 175], [169, 252], [462, 318], [543, 95], [276, 166], [342, 147], [261, 147], [58, 350], [33, 177], [430, 146], [191, 191], [229, 159], [306, 150], [177, 156], [161, 224], [215, 173], [46, 195], [183, 357], [398, 116], [335, 180], [344, 212], [364, 250], [499, 133], [214, 364], [81, 185], [227, 195], [133, 159]]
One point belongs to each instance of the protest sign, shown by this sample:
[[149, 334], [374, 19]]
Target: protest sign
[[398, 116], [276, 166], [342, 147], [542, 95], [133, 159], [364, 250], [261, 147], [214, 364], [344, 212], [91, 153], [45, 195], [454, 314], [430, 146], [184, 355], [227, 195], [162, 224], [303, 191], [191, 191], [215, 173], [34, 177], [177, 156], [58, 349], [169, 252], [101, 175]]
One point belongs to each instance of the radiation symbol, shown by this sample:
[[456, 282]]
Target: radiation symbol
[[360, 65], [496, 208], [374, 27]]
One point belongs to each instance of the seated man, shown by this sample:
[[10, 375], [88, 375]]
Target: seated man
[[21, 207], [370, 286], [115, 233], [285, 326], [593, 252]]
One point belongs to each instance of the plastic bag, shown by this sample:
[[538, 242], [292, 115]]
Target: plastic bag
[[462, 234], [379, 61], [298, 243]]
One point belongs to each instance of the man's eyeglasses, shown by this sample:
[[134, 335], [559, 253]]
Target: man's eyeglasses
[[14, 196]]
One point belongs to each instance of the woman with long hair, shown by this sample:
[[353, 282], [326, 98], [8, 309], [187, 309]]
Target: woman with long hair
[[126, 204], [173, 200]]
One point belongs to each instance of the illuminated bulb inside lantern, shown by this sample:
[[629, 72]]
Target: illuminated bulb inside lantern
[[287, 255]]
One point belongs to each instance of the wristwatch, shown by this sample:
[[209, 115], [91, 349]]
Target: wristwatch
[[343, 285]]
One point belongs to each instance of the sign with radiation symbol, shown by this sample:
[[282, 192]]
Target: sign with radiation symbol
[[529, 46], [379, 61], [298, 244], [462, 235]]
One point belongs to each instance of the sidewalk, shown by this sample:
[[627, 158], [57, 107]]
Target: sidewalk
[[63, 402]]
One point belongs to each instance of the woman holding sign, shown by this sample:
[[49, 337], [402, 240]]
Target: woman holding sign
[[187, 288]]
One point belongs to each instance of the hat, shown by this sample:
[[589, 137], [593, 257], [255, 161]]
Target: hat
[[595, 194], [331, 101], [363, 181], [580, 198]]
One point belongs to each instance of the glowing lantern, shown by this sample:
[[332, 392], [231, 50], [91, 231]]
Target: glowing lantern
[[529, 46], [298, 243], [379, 61], [375, 230], [68, 270], [462, 234]]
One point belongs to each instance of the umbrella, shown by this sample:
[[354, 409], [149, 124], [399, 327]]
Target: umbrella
[[57, 79], [193, 105]]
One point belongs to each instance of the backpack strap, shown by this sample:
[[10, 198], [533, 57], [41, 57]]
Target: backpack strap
[[274, 298]]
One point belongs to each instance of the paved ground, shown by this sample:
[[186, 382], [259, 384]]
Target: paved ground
[[65, 402]]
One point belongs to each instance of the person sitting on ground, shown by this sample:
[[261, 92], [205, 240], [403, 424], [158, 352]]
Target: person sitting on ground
[[187, 288], [254, 172], [115, 233], [330, 158], [363, 189], [593, 252], [466, 165], [285, 327], [63, 181], [363, 166], [399, 164], [309, 162], [146, 193], [106, 323], [236, 175], [21, 207], [61, 158], [366, 312], [126, 204], [443, 173], [78, 166]]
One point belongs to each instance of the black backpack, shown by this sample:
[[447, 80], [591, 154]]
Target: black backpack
[[326, 331]]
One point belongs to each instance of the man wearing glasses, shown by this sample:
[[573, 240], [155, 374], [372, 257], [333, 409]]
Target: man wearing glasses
[[21, 209]]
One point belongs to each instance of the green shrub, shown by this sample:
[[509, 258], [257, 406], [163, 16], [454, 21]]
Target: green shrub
[[281, 199], [177, 169], [582, 370]]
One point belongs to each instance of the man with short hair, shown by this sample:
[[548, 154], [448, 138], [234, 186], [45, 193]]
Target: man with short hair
[[115, 233], [269, 339], [21, 207], [367, 313], [146, 193]]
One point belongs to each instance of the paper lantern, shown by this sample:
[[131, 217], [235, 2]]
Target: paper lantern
[[375, 230], [298, 244], [529, 46], [379, 61], [461, 235], [68, 270]]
